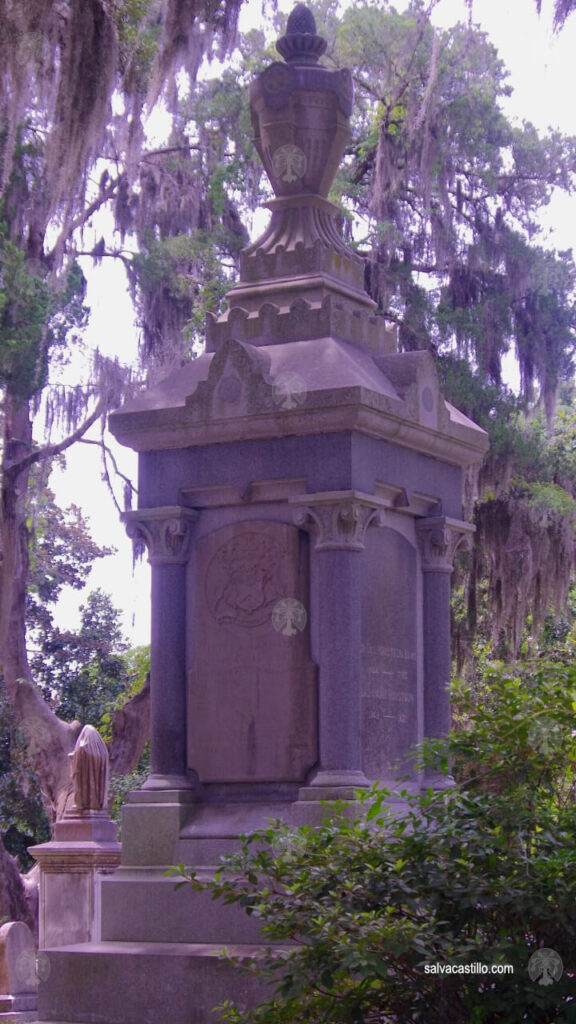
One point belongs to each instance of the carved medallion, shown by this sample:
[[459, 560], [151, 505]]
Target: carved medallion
[[244, 580], [276, 79]]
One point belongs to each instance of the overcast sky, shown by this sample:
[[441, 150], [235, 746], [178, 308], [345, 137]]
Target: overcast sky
[[542, 74]]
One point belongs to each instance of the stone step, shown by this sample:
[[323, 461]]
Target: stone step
[[143, 906], [145, 983], [17, 1017]]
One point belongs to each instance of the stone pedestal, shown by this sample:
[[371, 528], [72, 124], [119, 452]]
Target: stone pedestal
[[72, 865]]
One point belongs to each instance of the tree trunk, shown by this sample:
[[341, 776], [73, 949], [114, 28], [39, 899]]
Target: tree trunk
[[49, 740]]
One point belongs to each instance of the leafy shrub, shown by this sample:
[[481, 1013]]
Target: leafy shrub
[[356, 912]]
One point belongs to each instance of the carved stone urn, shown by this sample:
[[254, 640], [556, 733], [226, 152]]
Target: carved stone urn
[[300, 112]]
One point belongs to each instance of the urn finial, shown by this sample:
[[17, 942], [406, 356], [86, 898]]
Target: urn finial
[[301, 44]]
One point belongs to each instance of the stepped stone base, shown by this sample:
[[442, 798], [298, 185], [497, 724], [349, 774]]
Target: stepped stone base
[[144, 983], [143, 906], [11, 1017]]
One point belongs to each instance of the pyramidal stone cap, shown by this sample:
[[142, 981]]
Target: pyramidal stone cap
[[301, 44]]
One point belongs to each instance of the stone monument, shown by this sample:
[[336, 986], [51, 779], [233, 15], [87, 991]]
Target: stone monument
[[300, 500], [84, 849]]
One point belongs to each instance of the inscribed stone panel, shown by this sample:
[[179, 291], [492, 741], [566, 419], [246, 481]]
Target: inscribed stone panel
[[252, 691], [389, 659]]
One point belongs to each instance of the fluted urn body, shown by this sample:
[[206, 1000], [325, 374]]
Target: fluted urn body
[[300, 113]]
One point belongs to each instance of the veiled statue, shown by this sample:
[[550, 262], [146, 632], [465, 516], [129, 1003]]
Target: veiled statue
[[89, 765]]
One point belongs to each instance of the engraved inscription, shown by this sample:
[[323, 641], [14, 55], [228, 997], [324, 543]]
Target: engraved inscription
[[389, 660]]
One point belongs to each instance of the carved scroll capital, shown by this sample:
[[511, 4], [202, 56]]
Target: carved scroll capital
[[165, 531], [339, 519], [439, 538]]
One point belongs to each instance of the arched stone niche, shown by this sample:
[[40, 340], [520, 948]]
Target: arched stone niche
[[252, 700]]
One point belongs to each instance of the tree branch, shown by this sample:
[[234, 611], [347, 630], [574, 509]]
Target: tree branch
[[77, 222], [108, 454], [51, 450], [116, 254], [169, 149]]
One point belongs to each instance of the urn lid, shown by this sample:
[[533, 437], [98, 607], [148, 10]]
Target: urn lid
[[301, 44]]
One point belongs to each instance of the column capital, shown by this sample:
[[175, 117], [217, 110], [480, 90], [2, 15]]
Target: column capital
[[439, 538], [166, 531], [339, 519]]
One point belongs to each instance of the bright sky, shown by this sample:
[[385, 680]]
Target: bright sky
[[542, 73]]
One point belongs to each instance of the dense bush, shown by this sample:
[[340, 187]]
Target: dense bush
[[484, 872]]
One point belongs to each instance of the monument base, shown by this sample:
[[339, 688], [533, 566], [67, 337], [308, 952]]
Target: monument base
[[72, 865], [16, 1016], [145, 983]]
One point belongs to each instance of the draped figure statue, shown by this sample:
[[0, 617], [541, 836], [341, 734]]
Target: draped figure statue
[[89, 765]]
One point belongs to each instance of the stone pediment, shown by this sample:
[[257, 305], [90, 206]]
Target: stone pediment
[[320, 385]]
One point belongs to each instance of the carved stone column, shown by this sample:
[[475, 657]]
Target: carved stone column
[[439, 539], [338, 521], [166, 533]]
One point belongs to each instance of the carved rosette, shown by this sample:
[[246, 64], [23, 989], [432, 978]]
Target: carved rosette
[[339, 519], [440, 538], [166, 532]]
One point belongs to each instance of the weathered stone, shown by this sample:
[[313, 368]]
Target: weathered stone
[[84, 848], [18, 968], [252, 692], [89, 769], [389, 654]]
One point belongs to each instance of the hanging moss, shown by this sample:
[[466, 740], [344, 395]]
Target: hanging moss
[[190, 26], [525, 547]]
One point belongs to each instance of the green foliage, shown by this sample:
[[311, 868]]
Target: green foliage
[[551, 498], [82, 673], [482, 872], [23, 820], [138, 37], [137, 670], [35, 317], [182, 278], [66, 665], [25, 309]]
